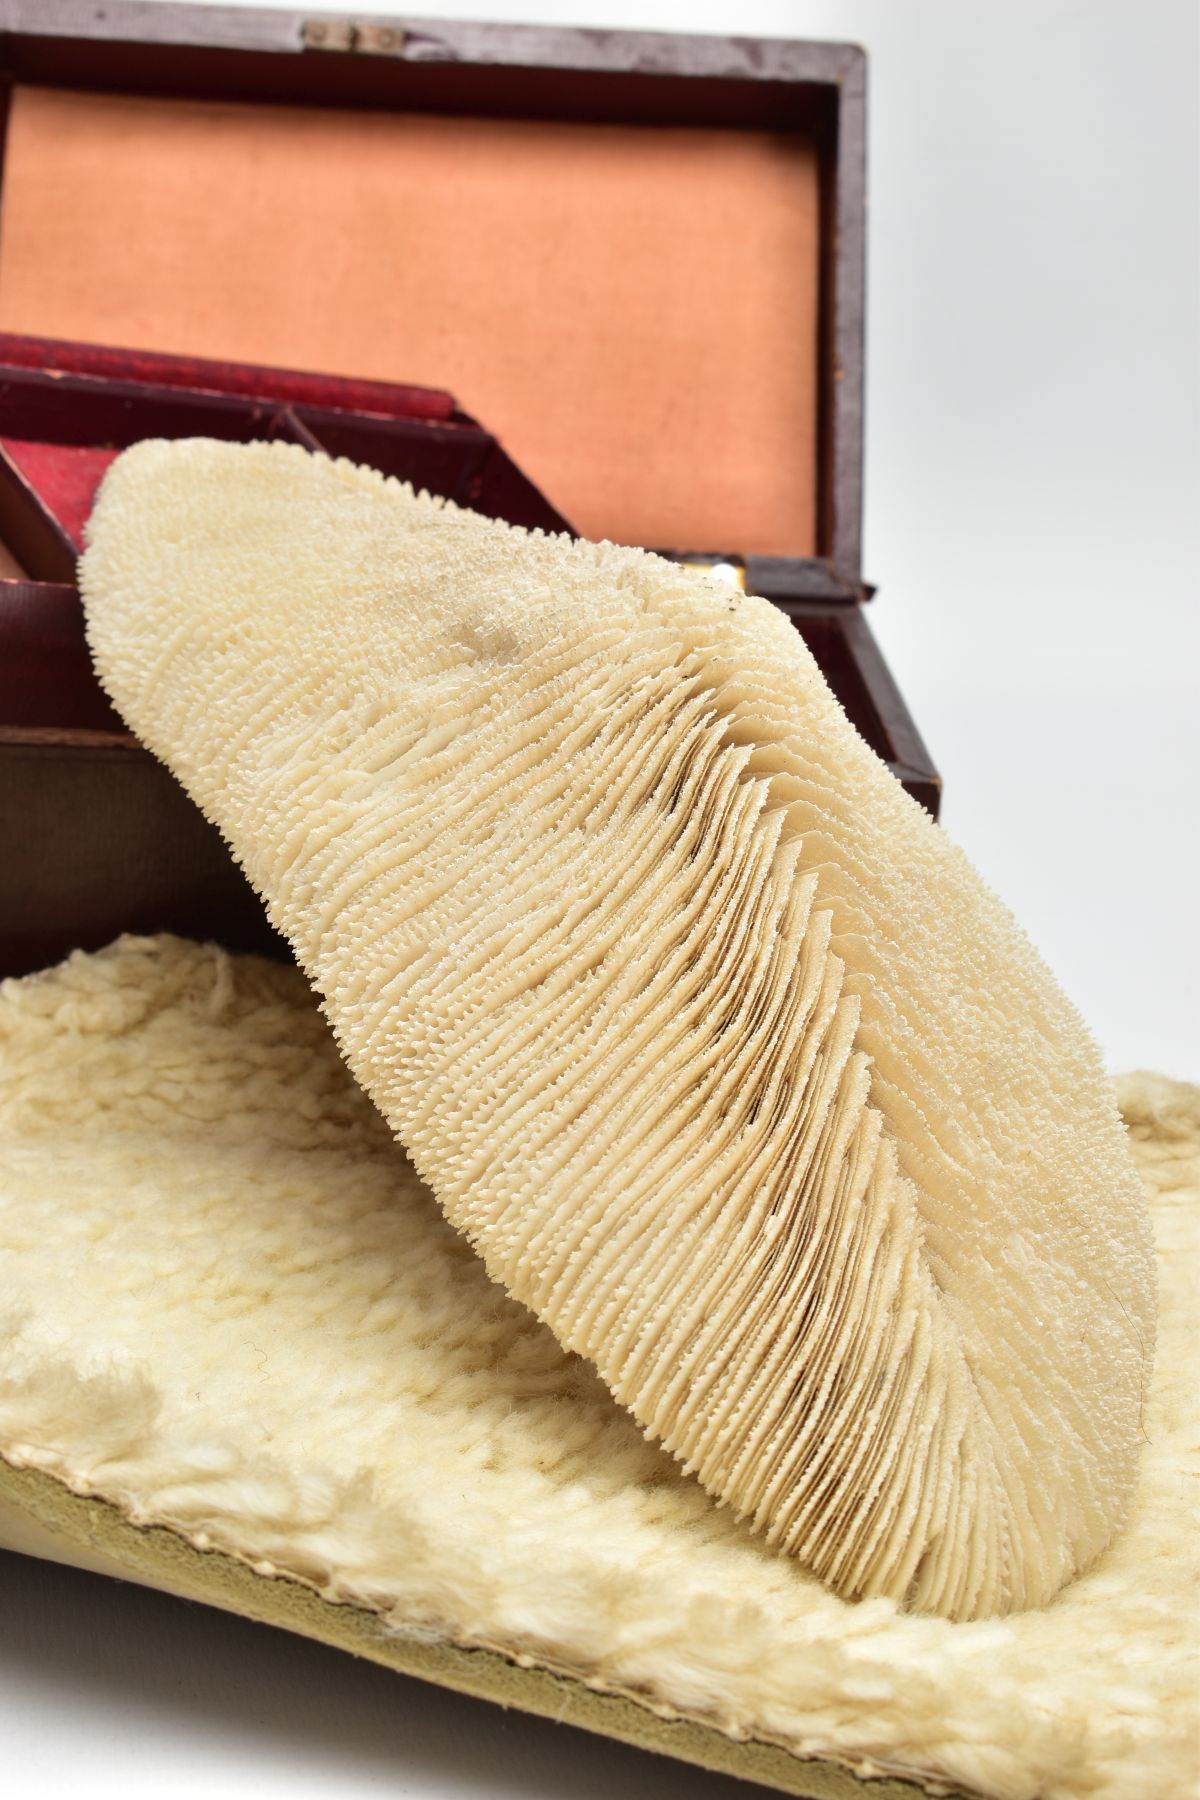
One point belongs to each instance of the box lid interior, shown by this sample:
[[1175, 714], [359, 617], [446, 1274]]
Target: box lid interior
[[636, 308]]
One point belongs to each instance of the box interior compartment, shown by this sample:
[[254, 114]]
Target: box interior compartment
[[60, 429]]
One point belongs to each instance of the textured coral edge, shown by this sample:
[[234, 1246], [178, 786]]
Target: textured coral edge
[[39, 1512]]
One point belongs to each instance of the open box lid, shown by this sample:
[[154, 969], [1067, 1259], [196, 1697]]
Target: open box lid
[[639, 256]]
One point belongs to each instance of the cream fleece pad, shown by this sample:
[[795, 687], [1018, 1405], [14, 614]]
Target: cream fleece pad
[[234, 1312]]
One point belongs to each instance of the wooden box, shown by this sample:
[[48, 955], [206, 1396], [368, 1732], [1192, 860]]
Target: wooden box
[[639, 257]]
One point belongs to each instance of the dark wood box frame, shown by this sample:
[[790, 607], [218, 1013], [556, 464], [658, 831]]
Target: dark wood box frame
[[522, 71]]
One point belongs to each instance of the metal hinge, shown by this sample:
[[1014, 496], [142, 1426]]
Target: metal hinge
[[345, 35]]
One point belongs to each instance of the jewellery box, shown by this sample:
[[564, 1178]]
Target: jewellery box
[[639, 258]]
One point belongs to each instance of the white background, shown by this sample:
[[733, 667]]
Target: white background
[[1033, 481]]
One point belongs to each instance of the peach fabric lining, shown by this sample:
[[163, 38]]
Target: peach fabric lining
[[633, 310]]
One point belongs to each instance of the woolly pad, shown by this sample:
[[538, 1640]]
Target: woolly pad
[[246, 1360]]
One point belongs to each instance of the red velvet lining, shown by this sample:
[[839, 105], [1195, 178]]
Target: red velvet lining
[[64, 476]]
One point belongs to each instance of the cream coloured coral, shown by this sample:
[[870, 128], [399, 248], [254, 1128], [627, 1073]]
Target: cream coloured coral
[[714, 1047]]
